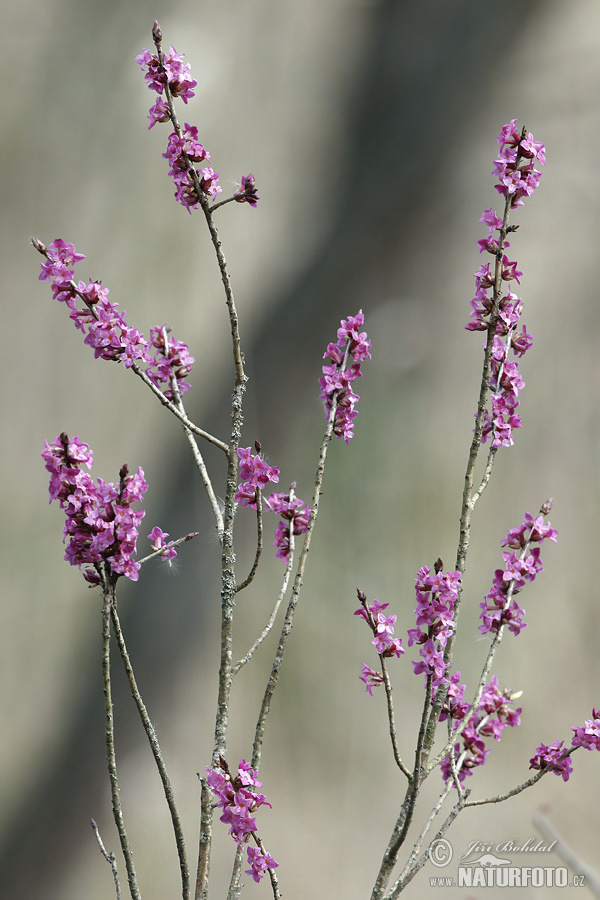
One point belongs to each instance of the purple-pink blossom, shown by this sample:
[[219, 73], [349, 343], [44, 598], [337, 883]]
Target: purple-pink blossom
[[295, 514], [493, 714], [588, 735], [104, 327], [239, 800], [551, 757], [337, 377], [385, 643], [518, 179], [158, 537], [255, 474], [100, 525], [174, 72], [436, 593], [247, 193], [522, 564]]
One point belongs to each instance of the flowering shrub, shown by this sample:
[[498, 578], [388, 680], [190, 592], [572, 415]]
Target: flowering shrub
[[101, 527]]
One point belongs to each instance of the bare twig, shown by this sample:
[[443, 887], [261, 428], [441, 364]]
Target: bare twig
[[286, 578], [297, 586], [108, 605], [204, 841], [259, 543], [200, 464], [156, 752], [567, 854], [168, 546], [109, 857]]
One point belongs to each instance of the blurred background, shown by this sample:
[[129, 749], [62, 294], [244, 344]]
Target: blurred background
[[371, 130]]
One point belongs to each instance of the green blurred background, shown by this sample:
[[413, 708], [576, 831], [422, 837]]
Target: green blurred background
[[370, 127]]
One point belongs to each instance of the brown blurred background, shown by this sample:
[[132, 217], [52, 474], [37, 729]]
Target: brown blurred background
[[370, 127]]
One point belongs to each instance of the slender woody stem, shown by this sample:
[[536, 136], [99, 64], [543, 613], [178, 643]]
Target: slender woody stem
[[259, 544], [204, 841], [109, 857], [108, 604], [297, 587], [156, 752]]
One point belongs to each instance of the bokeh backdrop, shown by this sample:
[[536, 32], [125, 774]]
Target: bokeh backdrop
[[370, 126]]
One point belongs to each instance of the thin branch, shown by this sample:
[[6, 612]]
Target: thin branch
[[200, 464], [286, 578], [404, 820], [108, 605], [187, 423], [41, 248], [109, 857], [156, 752], [387, 684], [259, 543], [401, 883], [513, 792], [390, 707], [559, 845], [297, 587], [169, 546], [204, 841], [235, 888]]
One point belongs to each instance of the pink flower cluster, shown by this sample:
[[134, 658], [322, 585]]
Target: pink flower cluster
[[555, 758], [295, 514], [551, 757], [515, 166], [171, 360], [436, 595], [518, 178], [384, 641], [505, 379], [239, 801], [493, 714], [183, 150], [588, 735], [521, 565], [338, 376], [100, 524], [181, 153], [247, 193], [158, 537], [174, 72], [255, 474], [105, 327]]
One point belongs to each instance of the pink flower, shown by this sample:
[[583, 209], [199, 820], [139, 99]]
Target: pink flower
[[99, 523], [551, 757], [337, 378]]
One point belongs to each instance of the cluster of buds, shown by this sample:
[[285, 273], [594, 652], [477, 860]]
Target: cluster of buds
[[100, 524], [338, 376], [104, 326], [521, 565], [239, 801]]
